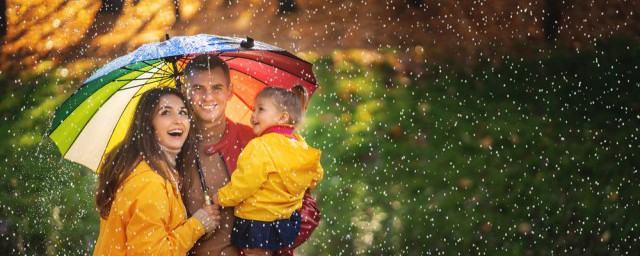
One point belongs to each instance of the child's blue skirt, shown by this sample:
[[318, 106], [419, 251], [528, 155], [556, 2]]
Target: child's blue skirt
[[266, 235]]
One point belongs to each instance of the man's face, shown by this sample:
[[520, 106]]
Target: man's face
[[209, 93]]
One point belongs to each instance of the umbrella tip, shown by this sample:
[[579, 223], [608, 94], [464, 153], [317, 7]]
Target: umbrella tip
[[248, 43]]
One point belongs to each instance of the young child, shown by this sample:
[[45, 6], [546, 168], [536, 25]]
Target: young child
[[273, 172]]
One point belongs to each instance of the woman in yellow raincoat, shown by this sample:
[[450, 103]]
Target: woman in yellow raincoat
[[138, 194]]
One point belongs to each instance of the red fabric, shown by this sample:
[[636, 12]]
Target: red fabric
[[284, 61], [249, 90], [285, 130], [310, 218], [235, 138], [267, 74]]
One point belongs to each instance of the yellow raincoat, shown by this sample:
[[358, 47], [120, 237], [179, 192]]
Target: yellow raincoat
[[271, 177], [147, 217]]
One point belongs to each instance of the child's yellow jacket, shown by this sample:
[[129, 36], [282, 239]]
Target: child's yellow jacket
[[271, 177], [147, 217]]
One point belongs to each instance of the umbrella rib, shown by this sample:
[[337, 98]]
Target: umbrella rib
[[165, 81], [167, 71], [291, 56], [138, 70], [288, 55], [139, 79], [237, 57], [147, 62], [184, 64], [161, 80], [133, 69]]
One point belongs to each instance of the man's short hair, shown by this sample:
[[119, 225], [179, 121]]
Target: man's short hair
[[207, 62]]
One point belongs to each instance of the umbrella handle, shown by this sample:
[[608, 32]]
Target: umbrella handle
[[207, 199]]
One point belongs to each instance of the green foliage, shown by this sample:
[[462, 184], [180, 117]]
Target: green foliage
[[511, 156], [47, 204], [525, 155]]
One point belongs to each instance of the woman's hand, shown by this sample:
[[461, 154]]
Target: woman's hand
[[209, 216], [214, 212]]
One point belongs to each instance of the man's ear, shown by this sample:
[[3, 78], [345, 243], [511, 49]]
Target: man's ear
[[230, 87], [284, 118], [185, 91]]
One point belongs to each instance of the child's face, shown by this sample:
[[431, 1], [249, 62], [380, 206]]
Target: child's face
[[266, 114]]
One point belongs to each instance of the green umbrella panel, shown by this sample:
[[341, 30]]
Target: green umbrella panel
[[96, 118]]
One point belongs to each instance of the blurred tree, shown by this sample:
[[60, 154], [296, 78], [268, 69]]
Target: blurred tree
[[552, 19], [287, 6], [535, 156], [141, 22], [493, 27], [176, 8], [3, 18], [37, 30], [111, 6], [416, 3]]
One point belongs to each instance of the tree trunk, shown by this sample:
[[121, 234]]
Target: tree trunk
[[176, 9], [111, 6], [287, 6], [552, 19], [3, 18], [415, 3]]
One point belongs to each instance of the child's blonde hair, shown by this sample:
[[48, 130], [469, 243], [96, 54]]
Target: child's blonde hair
[[293, 101]]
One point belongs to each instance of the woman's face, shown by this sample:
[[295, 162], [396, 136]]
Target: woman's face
[[171, 122]]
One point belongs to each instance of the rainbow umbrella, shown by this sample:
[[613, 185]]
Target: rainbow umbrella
[[97, 116]]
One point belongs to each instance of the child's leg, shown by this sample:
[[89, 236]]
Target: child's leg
[[255, 251]]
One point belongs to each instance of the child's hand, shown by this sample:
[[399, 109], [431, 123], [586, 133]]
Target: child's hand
[[214, 199]]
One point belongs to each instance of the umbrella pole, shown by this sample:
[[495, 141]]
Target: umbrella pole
[[203, 183], [176, 74], [207, 198]]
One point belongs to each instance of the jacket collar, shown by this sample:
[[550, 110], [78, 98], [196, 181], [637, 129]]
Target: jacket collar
[[286, 130]]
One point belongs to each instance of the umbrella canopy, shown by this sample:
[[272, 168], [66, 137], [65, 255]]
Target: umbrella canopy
[[97, 116]]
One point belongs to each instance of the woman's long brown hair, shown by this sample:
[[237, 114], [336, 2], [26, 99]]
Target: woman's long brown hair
[[140, 144]]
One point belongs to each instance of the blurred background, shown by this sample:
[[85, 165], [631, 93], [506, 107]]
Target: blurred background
[[448, 127]]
